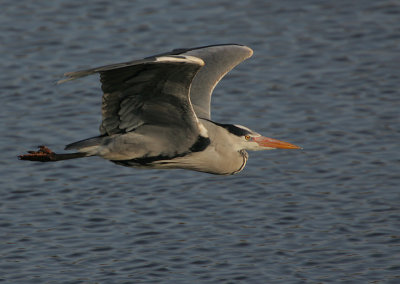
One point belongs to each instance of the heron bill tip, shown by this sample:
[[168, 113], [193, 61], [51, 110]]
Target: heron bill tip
[[274, 143]]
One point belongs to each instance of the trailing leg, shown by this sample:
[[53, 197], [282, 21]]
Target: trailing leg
[[44, 154]]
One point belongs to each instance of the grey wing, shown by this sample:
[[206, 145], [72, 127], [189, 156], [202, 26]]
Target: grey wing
[[152, 93], [219, 60]]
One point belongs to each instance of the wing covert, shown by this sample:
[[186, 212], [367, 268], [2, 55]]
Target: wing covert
[[151, 91]]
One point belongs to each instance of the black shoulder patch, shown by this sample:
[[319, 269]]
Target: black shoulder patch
[[200, 145]]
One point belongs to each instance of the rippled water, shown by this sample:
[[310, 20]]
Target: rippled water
[[324, 76]]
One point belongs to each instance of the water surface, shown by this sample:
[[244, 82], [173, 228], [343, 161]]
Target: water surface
[[323, 75]]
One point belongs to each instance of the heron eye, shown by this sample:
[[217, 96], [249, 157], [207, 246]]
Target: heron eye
[[247, 137]]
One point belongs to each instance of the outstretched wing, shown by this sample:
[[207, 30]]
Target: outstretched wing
[[219, 60], [153, 91]]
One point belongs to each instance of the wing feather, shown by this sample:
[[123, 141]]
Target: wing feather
[[150, 91], [219, 60]]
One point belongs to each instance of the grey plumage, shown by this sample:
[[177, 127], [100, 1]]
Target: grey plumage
[[156, 114], [219, 60], [146, 98]]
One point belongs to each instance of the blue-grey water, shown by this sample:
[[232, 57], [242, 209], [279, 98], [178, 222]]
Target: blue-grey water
[[324, 75]]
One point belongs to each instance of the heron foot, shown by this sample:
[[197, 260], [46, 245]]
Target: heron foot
[[44, 154]]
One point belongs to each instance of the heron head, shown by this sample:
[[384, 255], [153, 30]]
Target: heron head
[[251, 140]]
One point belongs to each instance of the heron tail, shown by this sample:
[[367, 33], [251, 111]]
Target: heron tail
[[88, 146]]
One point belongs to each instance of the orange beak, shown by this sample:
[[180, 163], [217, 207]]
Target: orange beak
[[273, 143]]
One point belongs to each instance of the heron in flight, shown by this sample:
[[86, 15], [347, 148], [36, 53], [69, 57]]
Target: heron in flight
[[156, 114]]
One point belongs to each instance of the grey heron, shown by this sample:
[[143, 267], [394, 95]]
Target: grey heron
[[156, 114]]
